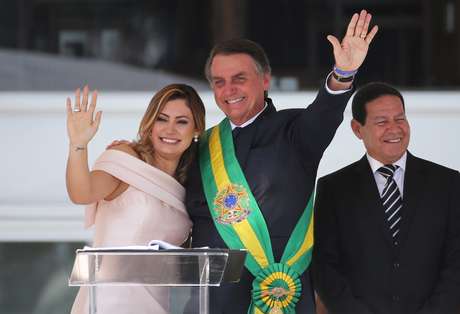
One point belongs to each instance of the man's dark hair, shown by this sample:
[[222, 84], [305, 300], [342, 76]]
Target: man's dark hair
[[239, 45], [368, 93]]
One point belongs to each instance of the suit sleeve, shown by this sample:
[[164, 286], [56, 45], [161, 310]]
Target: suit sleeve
[[313, 129], [329, 283], [446, 295]]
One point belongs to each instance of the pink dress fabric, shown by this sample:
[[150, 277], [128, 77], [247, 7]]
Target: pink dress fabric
[[151, 208]]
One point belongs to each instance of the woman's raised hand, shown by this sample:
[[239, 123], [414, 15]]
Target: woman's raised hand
[[82, 124]]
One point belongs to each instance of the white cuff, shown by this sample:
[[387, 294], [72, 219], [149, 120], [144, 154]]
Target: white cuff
[[334, 92]]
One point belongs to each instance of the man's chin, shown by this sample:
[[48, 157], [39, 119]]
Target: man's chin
[[237, 119], [394, 156]]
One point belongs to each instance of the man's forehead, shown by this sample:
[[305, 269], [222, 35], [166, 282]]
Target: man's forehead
[[385, 113], [240, 62]]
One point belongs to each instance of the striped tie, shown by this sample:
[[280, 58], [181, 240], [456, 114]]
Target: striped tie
[[392, 201]]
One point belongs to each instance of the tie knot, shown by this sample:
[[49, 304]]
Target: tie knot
[[388, 170], [236, 131]]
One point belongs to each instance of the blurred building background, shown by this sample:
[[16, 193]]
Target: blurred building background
[[416, 45], [128, 49]]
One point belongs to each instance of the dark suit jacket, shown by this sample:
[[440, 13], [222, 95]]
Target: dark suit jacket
[[279, 154], [357, 269]]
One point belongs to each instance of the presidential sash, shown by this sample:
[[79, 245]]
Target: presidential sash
[[239, 221]]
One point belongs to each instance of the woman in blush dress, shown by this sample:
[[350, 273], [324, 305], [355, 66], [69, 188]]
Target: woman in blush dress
[[134, 192]]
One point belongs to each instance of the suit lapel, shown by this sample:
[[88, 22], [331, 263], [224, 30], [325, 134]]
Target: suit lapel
[[244, 142], [413, 190], [371, 201]]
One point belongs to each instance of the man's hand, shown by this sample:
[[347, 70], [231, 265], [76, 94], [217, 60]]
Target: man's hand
[[351, 52], [118, 142]]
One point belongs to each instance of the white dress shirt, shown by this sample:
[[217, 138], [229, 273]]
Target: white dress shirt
[[249, 121]]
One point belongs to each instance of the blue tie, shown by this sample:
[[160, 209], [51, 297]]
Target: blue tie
[[392, 201]]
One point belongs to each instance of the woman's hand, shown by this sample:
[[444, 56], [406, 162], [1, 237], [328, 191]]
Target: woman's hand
[[82, 125]]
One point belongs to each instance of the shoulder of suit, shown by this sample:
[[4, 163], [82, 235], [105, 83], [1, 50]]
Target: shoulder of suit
[[289, 112], [432, 166], [342, 174], [282, 116], [277, 119]]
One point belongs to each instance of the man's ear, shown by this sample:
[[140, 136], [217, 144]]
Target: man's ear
[[356, 127], [267, 79]]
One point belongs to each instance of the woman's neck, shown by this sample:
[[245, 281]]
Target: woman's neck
[[164, 164]]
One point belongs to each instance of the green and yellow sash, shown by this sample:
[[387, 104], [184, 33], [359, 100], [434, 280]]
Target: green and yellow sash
[[240, 223]]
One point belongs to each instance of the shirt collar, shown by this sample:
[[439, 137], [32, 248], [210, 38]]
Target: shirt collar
[[245, 124], [375, 164]]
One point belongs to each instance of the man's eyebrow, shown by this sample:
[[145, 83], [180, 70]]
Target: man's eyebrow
[[234, 75]]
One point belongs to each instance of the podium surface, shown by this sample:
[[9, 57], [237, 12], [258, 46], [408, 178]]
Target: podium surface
[[198, 269]]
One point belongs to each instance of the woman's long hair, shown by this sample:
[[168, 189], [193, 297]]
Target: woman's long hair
[[143, 145]]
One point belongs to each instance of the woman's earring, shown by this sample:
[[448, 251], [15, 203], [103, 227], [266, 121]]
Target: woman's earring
[[195, 138]]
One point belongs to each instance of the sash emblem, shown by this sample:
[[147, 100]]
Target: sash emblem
[[232, 204]]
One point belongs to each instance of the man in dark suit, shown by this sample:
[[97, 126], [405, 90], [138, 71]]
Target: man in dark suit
[[387, 227], [278, 153]]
